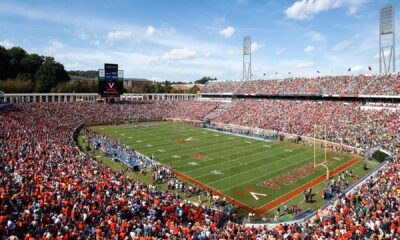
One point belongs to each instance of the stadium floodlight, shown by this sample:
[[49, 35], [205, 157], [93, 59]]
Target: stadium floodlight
[[246, 58], [387, 45]]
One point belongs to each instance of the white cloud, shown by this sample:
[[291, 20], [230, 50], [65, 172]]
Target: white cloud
[[174, 55], [233, 51], [74, 65], [95, 42], [56, 44], [54, 49], [119, 36], [316, 36], [150, 31], [340, 46], [305, 65], [255, 46], [7, 43], [358, 68], [83, 35], [309, 49], [306, 9], [227, 32], [207, 54], [280, 51]]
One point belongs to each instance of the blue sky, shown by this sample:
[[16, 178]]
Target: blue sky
[[181, 40]]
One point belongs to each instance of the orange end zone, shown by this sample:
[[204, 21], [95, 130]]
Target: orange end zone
[[263, 209], [276, 202]]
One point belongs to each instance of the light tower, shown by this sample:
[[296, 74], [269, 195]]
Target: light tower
[[246, 58], [387, 42]]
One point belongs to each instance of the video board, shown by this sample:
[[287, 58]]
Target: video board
[[110, 81]]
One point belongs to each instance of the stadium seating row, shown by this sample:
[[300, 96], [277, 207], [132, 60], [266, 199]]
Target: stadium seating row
[[50, 190], [327, 85]]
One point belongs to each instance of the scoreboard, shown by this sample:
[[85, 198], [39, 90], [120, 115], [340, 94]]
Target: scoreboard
[[111, 81]]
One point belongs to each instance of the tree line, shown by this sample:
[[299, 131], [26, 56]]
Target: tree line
[[29, 72], [23, 72]]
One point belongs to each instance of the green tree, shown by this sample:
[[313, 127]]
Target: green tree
[[204, 80], [49, 75], [31, 63], [27, 77], [4, 63], [159, 88], [16, 56]]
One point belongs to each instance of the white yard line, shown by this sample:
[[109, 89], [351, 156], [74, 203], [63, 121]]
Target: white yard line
[[262, 167], [262, 176]]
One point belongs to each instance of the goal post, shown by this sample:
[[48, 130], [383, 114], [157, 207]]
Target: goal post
[[325, 152]]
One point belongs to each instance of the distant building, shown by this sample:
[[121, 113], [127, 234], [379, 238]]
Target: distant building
[[136, 82]]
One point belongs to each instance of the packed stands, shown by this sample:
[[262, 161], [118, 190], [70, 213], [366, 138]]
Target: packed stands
[[326, 85], [49, 189], [221, 86]]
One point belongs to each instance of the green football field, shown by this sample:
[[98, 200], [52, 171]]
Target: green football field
[[253, 172]]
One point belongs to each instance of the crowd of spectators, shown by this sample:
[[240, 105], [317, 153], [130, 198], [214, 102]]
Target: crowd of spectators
[[117, 151], [221, 86], [49, 189], [347, 123], [328, 85]]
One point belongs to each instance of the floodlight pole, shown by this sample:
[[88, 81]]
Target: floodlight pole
[[246, 58], [387, 28]]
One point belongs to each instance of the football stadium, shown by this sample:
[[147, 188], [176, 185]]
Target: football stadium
[[93, 154]]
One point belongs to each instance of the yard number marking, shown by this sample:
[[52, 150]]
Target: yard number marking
[[193, 164], [216, 172], [254, 195]]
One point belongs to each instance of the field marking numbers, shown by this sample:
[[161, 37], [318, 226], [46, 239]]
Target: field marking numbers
[[122, 134], [130, 137], [277, 153], [268, 146], [176, 156], [216, 172], [161, 150], [139, 141], [149, 145], [289, 150], [216, 135], [263, 166], [254, 195], [193, 164], [338, 158]]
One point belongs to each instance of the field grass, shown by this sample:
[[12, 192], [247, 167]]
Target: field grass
[[253, 172]]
